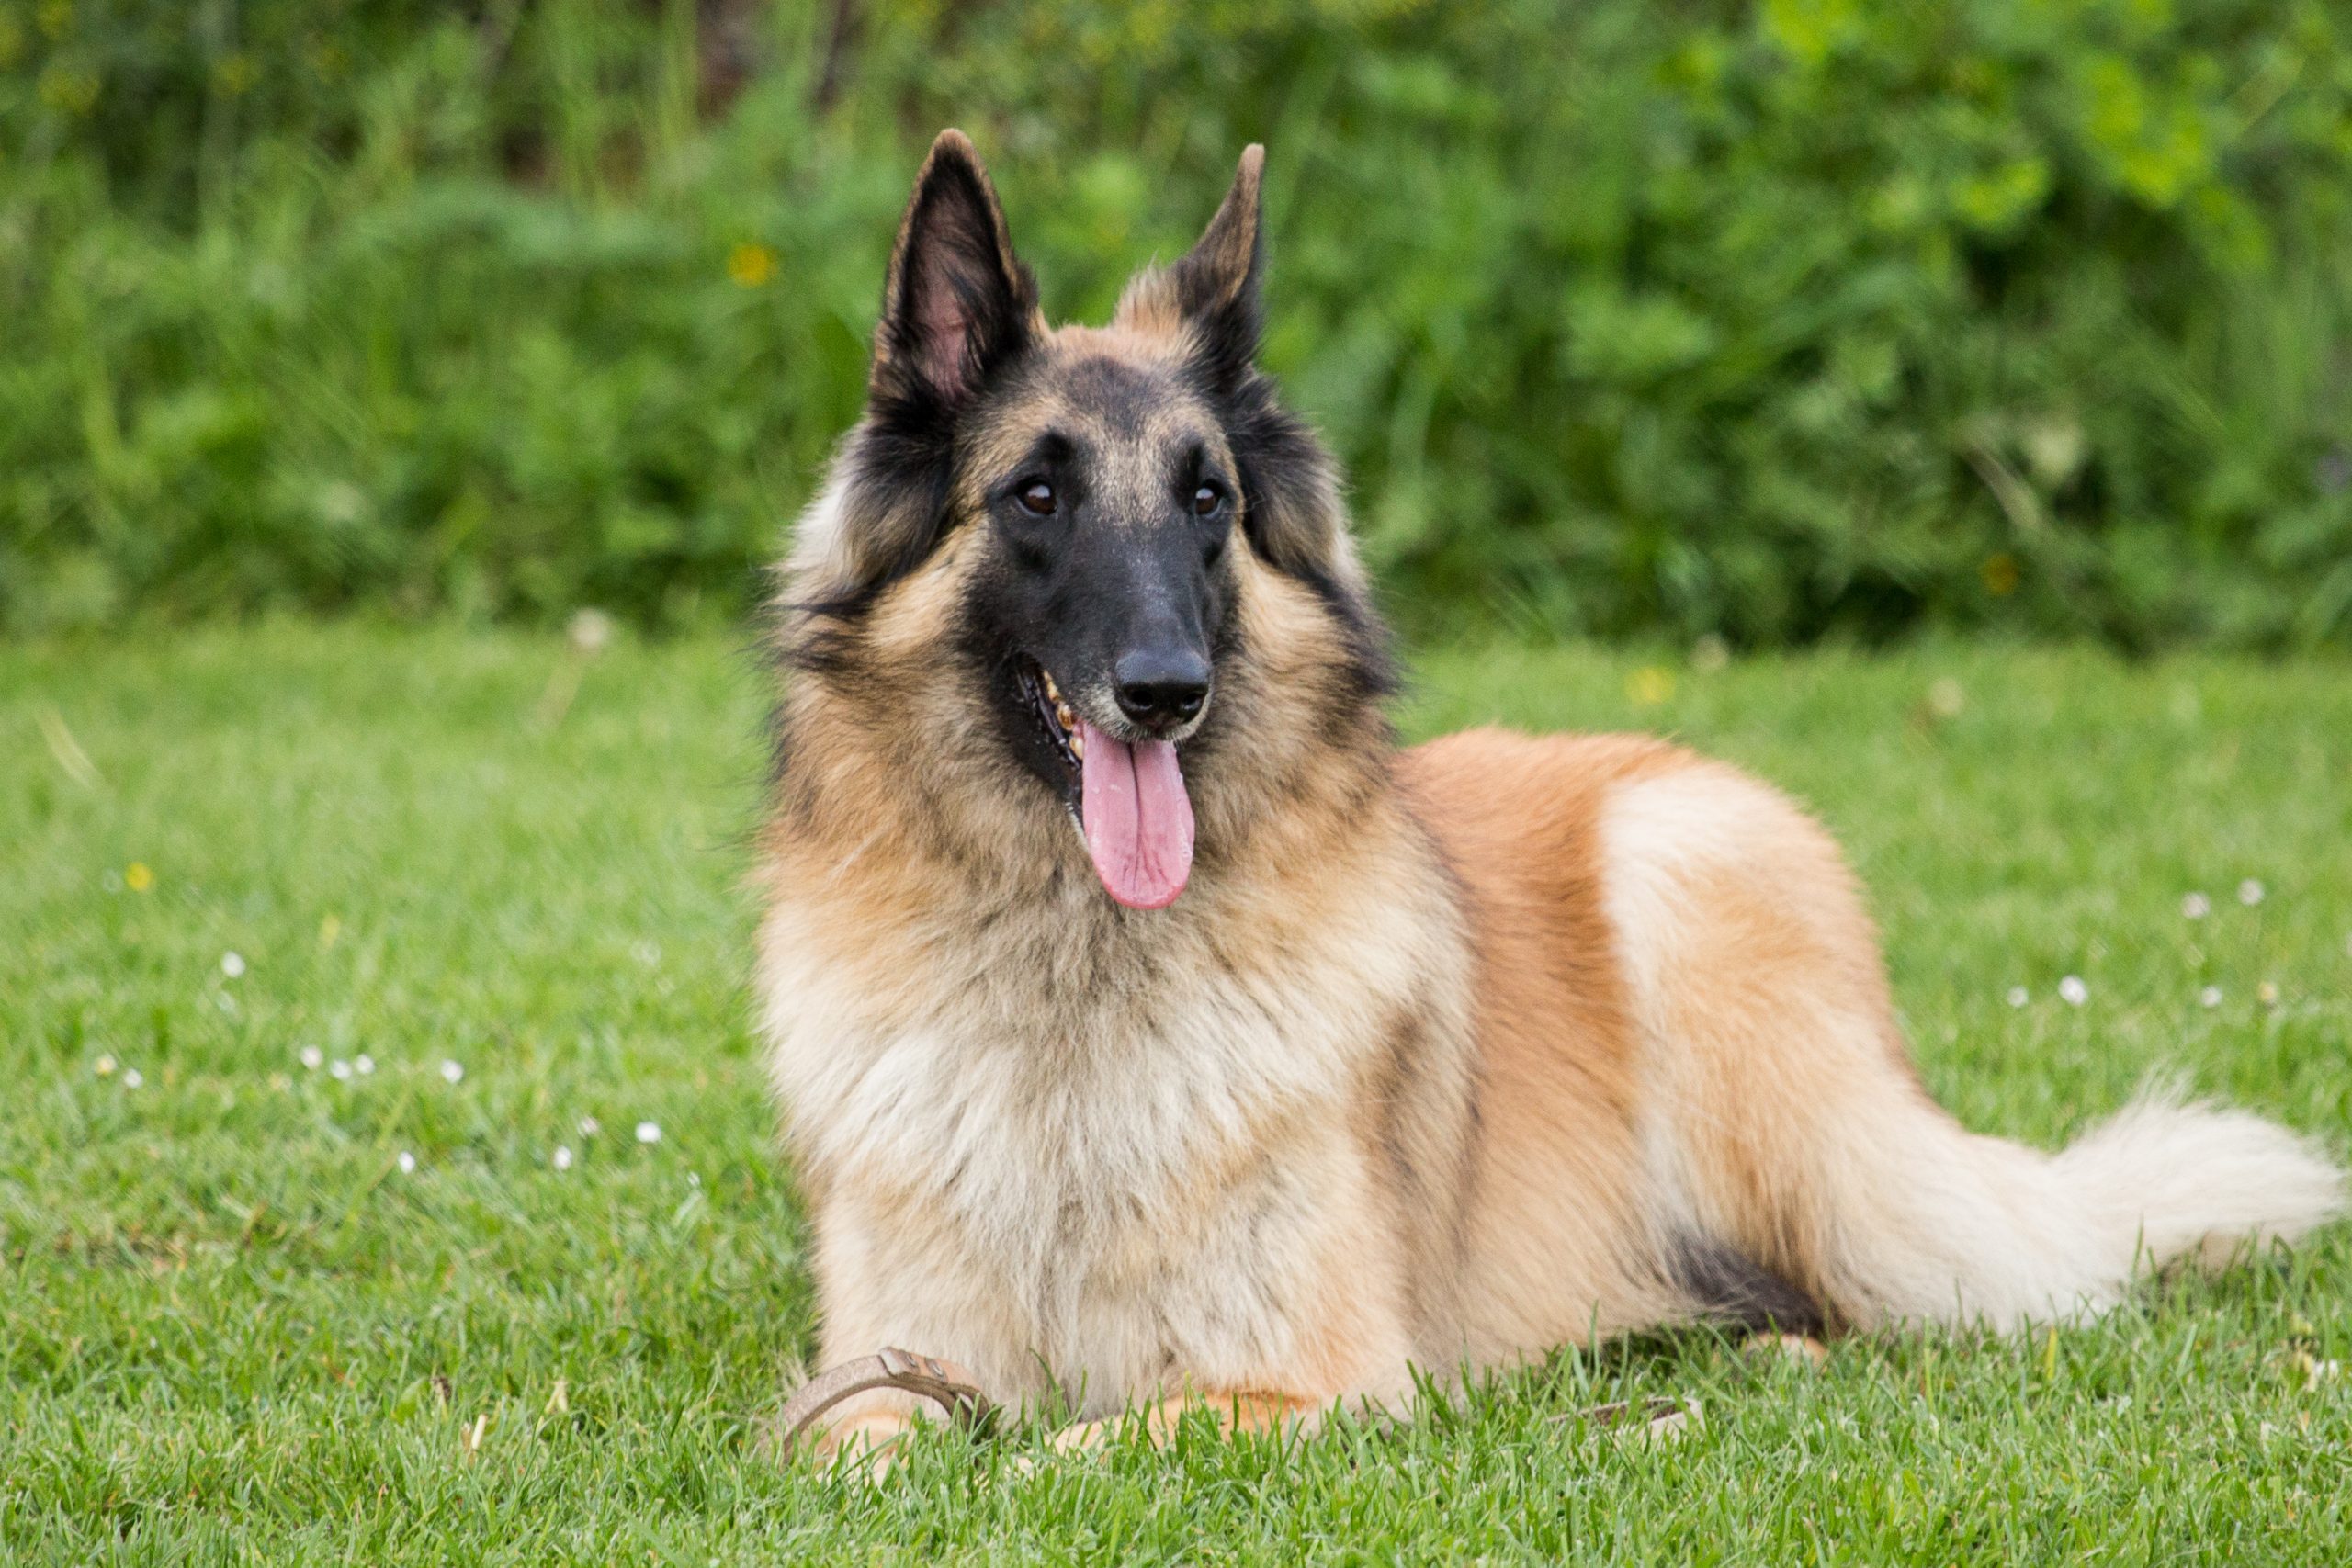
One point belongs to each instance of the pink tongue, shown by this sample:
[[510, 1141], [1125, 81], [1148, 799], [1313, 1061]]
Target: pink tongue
[[1139, 819]]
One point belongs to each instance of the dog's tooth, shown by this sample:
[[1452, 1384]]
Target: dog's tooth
[[1069, 719], [1076, 744], [1051, 690]]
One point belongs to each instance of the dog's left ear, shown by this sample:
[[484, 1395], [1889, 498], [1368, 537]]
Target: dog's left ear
[[1215, 283]]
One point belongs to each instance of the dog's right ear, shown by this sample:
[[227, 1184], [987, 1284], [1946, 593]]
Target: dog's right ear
[[957, 302], [956, 306]]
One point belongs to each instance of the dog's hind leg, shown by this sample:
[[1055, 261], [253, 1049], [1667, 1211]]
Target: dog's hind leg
[[1780, 1116]]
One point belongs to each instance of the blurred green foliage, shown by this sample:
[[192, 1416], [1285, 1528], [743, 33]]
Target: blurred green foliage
[[1777, 321]]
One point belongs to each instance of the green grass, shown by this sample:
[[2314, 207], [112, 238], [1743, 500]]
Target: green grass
[[234, 1328]]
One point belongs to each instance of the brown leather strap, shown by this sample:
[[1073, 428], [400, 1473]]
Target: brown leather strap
[[943, 1382]]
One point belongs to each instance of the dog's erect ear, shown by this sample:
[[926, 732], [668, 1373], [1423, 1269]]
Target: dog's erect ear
[[1215, 283], [957, 302]]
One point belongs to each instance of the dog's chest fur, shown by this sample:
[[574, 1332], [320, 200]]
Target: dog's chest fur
[[1109, 1138]]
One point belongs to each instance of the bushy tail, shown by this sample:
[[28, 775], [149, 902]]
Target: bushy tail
[[1949, 1226]]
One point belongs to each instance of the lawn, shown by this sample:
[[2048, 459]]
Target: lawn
[[513, 1273]]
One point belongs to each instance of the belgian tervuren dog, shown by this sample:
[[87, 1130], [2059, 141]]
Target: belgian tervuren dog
[[1151, 1030]]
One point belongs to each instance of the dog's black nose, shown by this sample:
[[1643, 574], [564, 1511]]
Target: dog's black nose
[[1160, 688]]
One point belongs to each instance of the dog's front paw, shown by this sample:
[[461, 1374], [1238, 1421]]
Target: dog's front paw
[[1160, 1422], [864, 1447], [1083, 1437]]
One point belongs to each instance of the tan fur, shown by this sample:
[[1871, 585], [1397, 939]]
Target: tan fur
[[1445, 1059], [1558, 1059]]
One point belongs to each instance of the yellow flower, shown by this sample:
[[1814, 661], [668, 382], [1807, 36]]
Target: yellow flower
[[750, 265], [68, 91], [232, 74], [1649, 685], [2001, 574], [137, 878]]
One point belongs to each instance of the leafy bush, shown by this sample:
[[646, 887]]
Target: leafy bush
[[1777, 321]]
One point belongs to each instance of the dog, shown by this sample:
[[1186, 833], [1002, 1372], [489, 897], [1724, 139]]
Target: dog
[[1152, 1034]]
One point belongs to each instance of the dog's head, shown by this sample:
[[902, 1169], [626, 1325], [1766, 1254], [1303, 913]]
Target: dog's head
[[1090, 559]]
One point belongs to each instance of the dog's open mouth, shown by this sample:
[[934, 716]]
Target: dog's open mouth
[[1056, 718], [1129, 798]]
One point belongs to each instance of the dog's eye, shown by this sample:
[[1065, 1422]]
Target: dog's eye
[[1206, 499], [1037, 499]]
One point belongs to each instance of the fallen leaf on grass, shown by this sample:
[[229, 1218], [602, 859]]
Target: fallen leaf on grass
[[67, 751], [1640, 1420]]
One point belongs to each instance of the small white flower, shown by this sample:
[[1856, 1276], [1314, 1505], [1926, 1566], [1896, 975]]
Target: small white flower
[[451, 1072], [341, 1069], [407, 1162], [131, 1079], [312, 1057], [2250, 892], [2266, 994], [563, 1158], [2210, 997], [590, 1126], [2196, 907], [2073, 992], [2020, 996], [104, 1066], [589, 631], [233, 965], [365, 1064], [649, 1132]]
